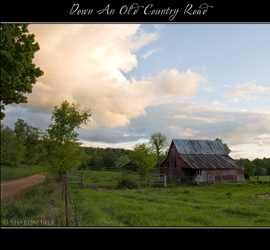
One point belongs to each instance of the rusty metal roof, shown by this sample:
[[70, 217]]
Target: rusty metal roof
[[200, 147], [206, 161]]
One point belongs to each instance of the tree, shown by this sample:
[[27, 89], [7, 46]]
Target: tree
[[261, 166], [63, 151], [31, 138], [123, 159], [18, 73], [224, 144], [144, 158], [158, 142], [249, 166], [109, 161], [12, 147]]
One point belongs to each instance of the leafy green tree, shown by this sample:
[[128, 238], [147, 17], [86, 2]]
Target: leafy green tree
[[122, 160], [63, 151], [31, 138], [158, 142], [224, 144], [144, 158], [18, 73], [261, 166], [109, 161], [12, 147], [249, 166]]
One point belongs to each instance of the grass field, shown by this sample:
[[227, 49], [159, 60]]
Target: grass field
[[220, 205], [224, 205], [16, 172]]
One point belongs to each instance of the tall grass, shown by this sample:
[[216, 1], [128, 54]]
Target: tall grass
[[41, 206], [16, 172], [225, 205]]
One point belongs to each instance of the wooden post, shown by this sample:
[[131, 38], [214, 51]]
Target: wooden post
[[63, 186], [165, 180], [66, 202], [82, 181], [221, 178]]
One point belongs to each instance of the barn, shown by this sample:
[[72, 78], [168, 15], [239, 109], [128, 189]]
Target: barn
[[200, 162]]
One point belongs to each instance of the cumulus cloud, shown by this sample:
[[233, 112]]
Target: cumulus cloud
[[246, 90], [85, 64]]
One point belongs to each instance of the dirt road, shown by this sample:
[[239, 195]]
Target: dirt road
[[14, 188]]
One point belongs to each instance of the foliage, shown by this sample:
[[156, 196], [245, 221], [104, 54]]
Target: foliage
[[256, 166], [12, 147], [63, 151], [126, 181], [18, 73], [262, 166], [249, 166], [31, 137], [217, 139], [98, 155], [109, 161], [123, 159], [144, 158], [158, 142]]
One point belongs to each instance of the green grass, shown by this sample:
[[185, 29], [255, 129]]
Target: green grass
[[223, 205], [108, 178], [16, 172], [40, 206], [220, 205]]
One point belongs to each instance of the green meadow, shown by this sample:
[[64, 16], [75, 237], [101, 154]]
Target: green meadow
[[220, 205], [19, 171], [101, 204]]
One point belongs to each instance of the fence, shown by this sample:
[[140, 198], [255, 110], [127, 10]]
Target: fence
[[71, 214], [94, 168], [151, 179], [75, 177]]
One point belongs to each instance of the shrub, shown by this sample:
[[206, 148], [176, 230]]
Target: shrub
[[126, 182]]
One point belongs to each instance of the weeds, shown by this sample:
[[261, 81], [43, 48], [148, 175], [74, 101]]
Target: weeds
[[40, 206], [217, 205]]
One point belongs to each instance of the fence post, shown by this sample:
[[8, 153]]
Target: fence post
[[164, 180], [82, 181], [66, 204]]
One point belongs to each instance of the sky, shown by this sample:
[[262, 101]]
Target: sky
[[188, 81]]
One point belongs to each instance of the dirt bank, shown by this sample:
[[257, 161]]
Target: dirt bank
[[15, 188]]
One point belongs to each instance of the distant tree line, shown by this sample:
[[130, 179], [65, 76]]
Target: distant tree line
[[256, 166], [105, 157]]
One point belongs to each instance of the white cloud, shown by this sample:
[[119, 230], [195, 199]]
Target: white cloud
[[150, 52], [159, 26], [84, 64], [245, 91]]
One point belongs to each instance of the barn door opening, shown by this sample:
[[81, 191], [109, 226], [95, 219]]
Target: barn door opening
[[187, 175]]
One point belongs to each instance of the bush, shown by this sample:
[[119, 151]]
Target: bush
[[126, 182]]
